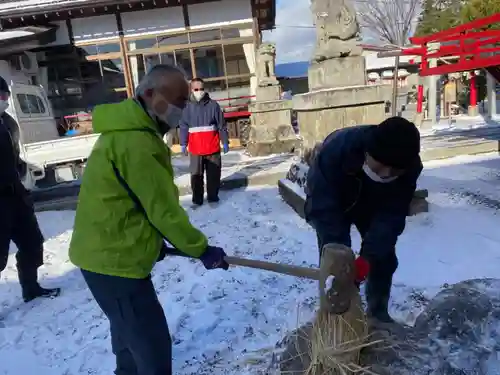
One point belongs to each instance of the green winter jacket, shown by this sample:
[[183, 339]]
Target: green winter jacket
[[112, 234]]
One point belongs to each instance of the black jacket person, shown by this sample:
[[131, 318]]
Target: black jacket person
[[18, 222], [366, 176]]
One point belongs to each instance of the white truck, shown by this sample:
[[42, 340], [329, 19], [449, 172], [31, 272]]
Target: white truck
[[51, 158]]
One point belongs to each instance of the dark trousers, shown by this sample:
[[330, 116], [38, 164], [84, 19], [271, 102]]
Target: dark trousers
[[140, 338], [382, 266], [211, 164], [19, 224]]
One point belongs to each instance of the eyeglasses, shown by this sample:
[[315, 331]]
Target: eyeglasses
[[202, 89]]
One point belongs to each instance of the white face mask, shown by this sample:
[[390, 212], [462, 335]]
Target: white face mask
[[375, 177], [198, 95], [4, 104]]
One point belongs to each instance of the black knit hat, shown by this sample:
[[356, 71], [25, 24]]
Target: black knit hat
[[4, 87], [395, 143]]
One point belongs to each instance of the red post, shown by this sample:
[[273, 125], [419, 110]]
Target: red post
[[473, 89], [420, 98]]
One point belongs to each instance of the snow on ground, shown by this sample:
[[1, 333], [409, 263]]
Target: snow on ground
[[228, 322], [460, 123]]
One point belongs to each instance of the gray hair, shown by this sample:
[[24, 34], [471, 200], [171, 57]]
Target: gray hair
[[152, 78]]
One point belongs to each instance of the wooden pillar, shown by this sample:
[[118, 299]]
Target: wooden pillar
[[129, 83], [193, 67], [257, 35], [225, 69], [420, 98], [71, 37]]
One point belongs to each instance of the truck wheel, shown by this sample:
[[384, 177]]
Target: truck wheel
[[244, 127]]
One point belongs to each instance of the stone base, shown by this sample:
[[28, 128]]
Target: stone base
[[319, 113], [255, 149], [268, 93], [271, 130], [346, 71], [473, 111], [418, 119], [293, 195]]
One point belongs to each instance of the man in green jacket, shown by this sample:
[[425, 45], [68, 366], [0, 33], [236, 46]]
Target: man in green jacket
[[128, 205]]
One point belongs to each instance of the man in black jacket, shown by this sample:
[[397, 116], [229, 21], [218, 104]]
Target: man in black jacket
[[366, 176], [18, 222]]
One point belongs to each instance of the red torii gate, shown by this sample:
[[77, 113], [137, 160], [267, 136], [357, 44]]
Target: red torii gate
[[470, 46]]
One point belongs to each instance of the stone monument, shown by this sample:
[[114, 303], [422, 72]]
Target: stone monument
[[338, 92], [337, 59], [271, 128], [266, 70]]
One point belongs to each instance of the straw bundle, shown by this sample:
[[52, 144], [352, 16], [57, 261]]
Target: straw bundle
[[336, 339]]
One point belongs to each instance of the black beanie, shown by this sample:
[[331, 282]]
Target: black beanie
[[395, 143]]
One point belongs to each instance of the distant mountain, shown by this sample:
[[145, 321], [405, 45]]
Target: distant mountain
[[292, 70]]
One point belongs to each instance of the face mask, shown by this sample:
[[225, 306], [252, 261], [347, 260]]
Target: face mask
[[3, 106], [198, 95], [170, 119], [173, 116], [167, 120], [375, 177]]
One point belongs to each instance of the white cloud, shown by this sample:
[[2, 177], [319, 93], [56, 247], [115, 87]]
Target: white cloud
[[294, 35]]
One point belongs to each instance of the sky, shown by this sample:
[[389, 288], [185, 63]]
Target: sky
[[294, 35]]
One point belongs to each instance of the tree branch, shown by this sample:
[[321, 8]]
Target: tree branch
[[392, 21]]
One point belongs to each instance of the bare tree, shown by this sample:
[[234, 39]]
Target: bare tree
[[391, 21]]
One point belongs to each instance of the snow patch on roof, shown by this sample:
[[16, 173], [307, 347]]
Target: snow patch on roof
[[37, 4], [12, 34]]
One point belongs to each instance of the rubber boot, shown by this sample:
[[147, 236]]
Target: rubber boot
[[377, 298], [31, 288]]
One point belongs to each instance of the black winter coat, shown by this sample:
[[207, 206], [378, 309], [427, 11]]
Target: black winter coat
[[12, 167], [339, 192]]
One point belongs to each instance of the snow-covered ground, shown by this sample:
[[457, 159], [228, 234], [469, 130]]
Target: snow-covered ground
[[228, 322], [461, 122]]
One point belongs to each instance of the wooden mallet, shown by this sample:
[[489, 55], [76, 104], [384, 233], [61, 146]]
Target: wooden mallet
[[336, 274]]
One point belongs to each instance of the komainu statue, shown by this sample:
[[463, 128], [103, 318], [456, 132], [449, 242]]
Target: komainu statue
[[266, 61], [337, 29]]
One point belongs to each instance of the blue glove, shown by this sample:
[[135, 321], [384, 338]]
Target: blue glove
[[184, 150], [213, 258], [225, 147]]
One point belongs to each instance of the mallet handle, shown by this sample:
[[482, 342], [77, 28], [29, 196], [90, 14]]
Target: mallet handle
[[308, 273]]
